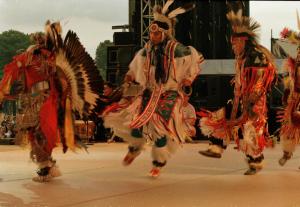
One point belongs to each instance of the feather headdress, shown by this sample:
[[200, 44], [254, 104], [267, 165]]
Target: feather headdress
[[166, 22], [53, 33], [290, 35], [243, 26]]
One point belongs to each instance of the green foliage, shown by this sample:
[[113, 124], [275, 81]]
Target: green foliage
[[101, 57], [11, 43]]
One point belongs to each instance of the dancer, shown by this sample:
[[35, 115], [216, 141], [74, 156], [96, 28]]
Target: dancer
[[290, 117], [50, 80], [164, 70], [253, 79]]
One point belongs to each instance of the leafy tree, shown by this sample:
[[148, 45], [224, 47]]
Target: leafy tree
[[11, 43], [101, 57]]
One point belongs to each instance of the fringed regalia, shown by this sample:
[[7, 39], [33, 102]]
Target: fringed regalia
[[255, 71], [159, 112], [51, 81], [290, 116], [290, 131]]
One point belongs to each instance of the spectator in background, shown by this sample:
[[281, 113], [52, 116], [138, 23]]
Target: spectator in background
[[102, 134], [107, 91]]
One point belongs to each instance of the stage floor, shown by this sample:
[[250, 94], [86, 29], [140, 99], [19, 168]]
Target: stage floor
[[98, 178]]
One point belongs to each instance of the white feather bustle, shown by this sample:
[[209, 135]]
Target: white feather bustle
[[61, 61], [89, 95]]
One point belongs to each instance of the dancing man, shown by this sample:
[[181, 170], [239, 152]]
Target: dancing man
[[290, 117], [165, 70], [50, 80], [254, 76]]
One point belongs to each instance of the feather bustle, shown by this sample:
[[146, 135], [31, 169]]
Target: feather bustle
[[81, 73]]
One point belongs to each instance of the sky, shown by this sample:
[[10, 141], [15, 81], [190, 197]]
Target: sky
[[92, 20], [274, 16]]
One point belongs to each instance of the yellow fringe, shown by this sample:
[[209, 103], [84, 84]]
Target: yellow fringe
[[69, 127]]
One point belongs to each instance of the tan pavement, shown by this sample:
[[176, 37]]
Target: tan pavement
[[189, 180]]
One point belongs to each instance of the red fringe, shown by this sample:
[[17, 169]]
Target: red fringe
[[249, 84]]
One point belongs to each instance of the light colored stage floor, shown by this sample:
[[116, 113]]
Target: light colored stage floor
[[189, 180]]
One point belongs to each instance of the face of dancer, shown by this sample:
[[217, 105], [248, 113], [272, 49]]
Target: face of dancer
[[238, 46], [156, 37]]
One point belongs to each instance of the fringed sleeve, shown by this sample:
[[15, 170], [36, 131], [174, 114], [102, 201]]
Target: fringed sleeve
[[137, 72], [188, 62], [11, 72]]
